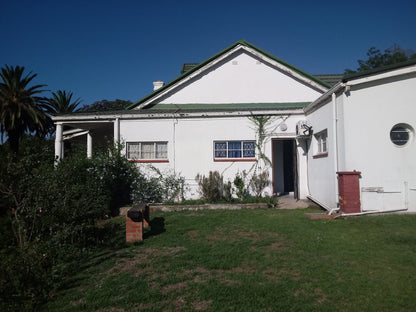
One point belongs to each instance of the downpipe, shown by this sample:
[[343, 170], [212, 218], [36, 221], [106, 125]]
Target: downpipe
[[369, 212]]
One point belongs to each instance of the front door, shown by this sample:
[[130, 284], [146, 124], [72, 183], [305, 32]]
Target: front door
[[284, 159]]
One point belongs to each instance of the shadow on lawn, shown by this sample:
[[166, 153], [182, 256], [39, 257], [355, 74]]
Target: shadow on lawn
[[157, 226]]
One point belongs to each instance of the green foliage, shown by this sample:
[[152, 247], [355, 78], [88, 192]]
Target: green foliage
[[20, 107], [171, 185], [105, 105], [61, 103], [146, 189], [259, 181], [376, 58], [263, 127], [239, 183], [49, 215], [213, 188]]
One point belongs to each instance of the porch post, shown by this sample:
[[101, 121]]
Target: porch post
[[89, 145], [116, 131], [59, 147]]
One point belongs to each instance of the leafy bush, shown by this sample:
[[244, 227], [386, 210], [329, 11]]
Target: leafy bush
[[146, 189], [259, 182], [213, 188], [172, 185], [49, 216], [239, 183]]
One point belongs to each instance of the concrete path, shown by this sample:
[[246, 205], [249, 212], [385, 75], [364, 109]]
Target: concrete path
[[288, 202]]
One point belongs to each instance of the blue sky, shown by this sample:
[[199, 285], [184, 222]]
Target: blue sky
[[116, 49]]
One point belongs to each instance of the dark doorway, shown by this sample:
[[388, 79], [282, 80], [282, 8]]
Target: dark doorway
[[284, 166]]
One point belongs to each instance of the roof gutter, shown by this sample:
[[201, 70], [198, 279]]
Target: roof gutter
[[315, 104], [155, 115]]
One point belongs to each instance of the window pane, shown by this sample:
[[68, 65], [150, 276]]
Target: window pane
[[324, 149], [321, 142], [148, 150], [220, 150], [161, 150], [234, 149], [249, 149], [133, 150]]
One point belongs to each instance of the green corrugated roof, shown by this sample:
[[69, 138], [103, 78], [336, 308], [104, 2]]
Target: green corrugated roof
[[200, 65], [330, 79]]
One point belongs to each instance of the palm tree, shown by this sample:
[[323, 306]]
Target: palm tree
[[60, 103], [20, 108]]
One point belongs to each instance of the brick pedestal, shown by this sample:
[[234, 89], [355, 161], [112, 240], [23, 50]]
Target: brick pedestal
[[134, 230], [349, 191], [137, 218]]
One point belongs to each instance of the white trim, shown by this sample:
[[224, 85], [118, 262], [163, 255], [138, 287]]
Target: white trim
[[189, 77], [315, 104], [155, 115], [286, 69], [391, 73], [340, 85]]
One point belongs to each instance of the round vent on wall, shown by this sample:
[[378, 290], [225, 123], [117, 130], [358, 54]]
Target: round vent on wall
[[401, 135]]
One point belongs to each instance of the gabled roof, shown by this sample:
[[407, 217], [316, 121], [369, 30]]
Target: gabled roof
[[189, 71], [330, 79]]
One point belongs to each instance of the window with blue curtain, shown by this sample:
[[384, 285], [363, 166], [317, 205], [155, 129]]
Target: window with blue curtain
[[234, 149]]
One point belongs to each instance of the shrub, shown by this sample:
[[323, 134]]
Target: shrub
[[172, 185], [52, 214], [212, 188], [146, 189], [49, 216], [239, 183], [259, 182]]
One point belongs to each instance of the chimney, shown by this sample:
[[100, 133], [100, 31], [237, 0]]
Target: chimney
[[157, 85]]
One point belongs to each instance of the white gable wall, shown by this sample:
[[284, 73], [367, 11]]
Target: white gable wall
[[241, 78]]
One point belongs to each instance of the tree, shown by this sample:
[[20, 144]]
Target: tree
[[394, 54], [61, 103], [105, 105], [20, 107]]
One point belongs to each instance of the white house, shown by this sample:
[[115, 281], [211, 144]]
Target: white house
[[205, 120]]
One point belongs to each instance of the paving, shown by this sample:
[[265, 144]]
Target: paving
[[288, 202]]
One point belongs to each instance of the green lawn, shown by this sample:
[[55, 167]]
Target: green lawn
[[252, 260]]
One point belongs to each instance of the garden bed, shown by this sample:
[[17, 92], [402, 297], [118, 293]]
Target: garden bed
[[227, 206]]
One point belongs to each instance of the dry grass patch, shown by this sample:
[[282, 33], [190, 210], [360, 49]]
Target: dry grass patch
[[201, 305], [147, 256]]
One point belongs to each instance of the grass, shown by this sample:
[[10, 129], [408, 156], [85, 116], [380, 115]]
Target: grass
[[252, 260]]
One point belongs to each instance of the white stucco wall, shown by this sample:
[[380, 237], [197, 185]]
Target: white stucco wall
[[241, 78], [370, 112], [191, 145], [322, 179], [365, 116]]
